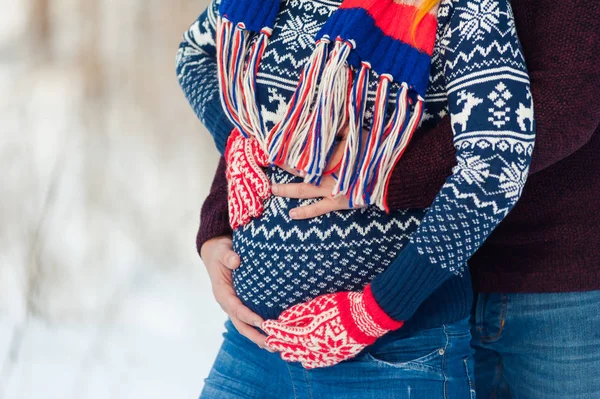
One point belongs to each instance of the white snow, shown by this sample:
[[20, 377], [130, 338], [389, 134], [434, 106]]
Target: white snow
[[158, 342], [103, 169]]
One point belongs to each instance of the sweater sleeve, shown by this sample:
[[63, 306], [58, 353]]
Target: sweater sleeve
[[196, 68], [565, 80], [491, 112], [214, 216], [424, 167]]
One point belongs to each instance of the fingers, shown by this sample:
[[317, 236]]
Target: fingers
[[320, 208], [305, 190], [250, 333], [228, 258], [220, 250], [220, 259], [300, 190], [231, 304], [226, 298], [241, 316]]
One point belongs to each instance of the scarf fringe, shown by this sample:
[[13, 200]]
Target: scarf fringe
[[237, 76], [360, 194], [356, 111], [330, 95], [289, 136], [330, 115], [398, 135]]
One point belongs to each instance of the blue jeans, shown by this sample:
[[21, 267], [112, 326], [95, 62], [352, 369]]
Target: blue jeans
[[435, 363], [537, 346]]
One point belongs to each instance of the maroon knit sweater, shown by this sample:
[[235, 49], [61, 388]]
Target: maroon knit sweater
[[550, 242]]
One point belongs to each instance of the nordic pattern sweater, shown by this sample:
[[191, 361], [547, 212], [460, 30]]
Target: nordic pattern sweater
[[415, 258], [556, 224]]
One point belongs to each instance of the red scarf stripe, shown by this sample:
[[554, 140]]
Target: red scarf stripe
[[395, 19]]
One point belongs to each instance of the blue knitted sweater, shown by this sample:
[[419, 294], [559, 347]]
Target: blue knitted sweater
[[416, 259]]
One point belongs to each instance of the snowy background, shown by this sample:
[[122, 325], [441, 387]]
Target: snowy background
[[103, 171]]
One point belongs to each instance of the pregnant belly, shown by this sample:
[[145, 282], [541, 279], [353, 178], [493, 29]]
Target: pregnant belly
[[285, 262]]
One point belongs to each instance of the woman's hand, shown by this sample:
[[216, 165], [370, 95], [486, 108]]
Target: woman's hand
[[306, 190], [329, 329], [220, 260]]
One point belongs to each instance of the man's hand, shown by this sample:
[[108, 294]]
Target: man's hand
[[220, 260]]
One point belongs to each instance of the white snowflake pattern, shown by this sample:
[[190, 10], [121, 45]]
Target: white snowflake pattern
[[444, 41], [492, 163], [472, 168], [512, 179], [299, 33], [478, 17]]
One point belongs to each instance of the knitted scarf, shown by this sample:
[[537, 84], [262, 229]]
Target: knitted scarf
[[331, 94]]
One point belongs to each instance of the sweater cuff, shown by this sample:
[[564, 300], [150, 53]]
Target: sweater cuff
[[377, 313], [406, 283]]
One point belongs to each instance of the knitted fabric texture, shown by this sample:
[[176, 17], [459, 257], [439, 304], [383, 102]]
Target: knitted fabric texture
[[332, 89], [415, 258], [247, 185], [564, 82], [329, 329]]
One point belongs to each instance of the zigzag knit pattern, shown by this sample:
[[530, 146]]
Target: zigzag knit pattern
[[287, 261], [478, 76]]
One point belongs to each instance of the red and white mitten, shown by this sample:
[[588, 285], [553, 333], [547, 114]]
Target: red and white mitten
[[248, 185], [329, 329]]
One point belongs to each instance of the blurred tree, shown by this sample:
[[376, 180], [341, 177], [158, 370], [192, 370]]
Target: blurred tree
[[106, 164]]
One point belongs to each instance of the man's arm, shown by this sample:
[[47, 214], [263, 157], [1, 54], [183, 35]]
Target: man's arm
[[214, 217], [565, 82], [424, 168], [493, 152]]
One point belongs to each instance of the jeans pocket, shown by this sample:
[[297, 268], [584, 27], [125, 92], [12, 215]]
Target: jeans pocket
[[428, 362], [469, 364], [424, 351]]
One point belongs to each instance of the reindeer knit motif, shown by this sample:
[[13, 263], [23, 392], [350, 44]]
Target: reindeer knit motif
[[468, 101], [415, 259]]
